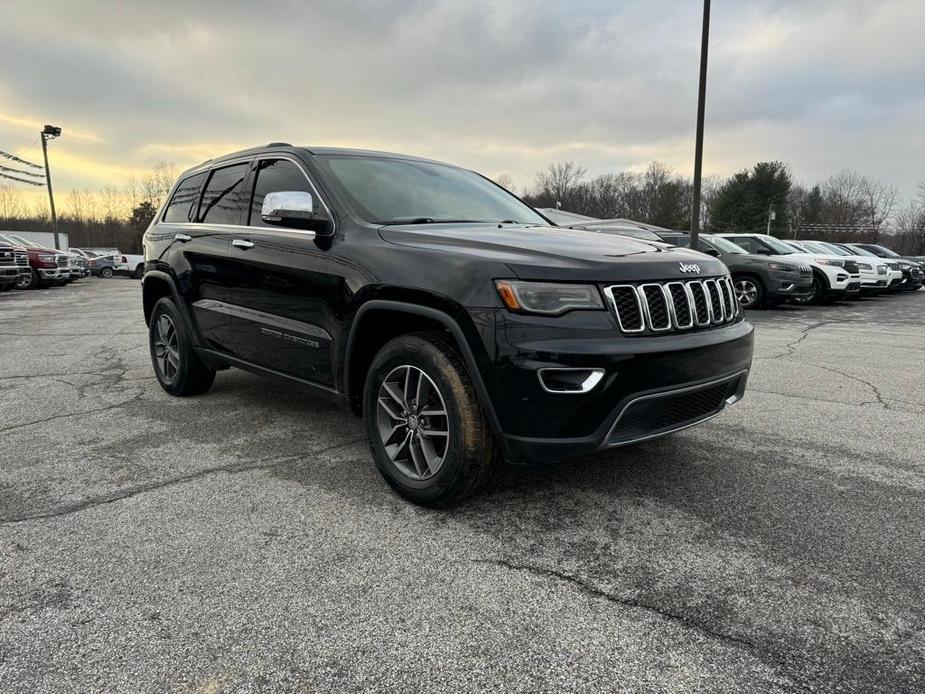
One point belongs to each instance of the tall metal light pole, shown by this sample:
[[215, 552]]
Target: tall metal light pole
[[49, 133], [701, 102]]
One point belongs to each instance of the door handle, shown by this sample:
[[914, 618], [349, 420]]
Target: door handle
[[241, 243], [182, 238]]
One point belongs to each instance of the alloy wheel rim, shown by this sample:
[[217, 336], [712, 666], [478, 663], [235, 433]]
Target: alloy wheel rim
[[746, 292], [412, 421], [166, 348]]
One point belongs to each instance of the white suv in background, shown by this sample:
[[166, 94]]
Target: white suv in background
[[833, 276], [875, 273]]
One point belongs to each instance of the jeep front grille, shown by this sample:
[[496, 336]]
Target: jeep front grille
[[658, 307]]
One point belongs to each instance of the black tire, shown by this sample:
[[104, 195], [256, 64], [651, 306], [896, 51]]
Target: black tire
[[139, 271], [106, 272], [749, 291], [190, 375], [470, 456], [818, 292], [30, 281], [6, 286]]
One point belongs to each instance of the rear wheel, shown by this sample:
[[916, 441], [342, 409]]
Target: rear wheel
[[178, 368], [139, 271], [106, 272], [427, 432]]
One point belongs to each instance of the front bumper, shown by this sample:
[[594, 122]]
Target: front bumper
[[9, 274], [788, 285], [651, 385], [58, 273]]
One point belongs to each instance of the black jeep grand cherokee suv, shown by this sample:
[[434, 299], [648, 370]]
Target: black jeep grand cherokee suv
[[459, 322]]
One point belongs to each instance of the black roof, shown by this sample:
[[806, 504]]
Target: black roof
[[285, 146]]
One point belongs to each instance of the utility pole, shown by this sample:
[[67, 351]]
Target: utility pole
[[49, 133], [772, 215], [701, 102]]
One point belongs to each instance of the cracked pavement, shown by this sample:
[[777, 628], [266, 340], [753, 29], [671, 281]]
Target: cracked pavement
[[242, 541]]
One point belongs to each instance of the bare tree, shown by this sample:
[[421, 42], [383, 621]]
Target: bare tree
[[558, 183], [505, 181]]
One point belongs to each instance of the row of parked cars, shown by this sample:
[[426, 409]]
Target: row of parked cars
[[28, 265], [767, 271]]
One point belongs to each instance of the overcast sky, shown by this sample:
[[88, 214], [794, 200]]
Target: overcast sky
[[501, 87]]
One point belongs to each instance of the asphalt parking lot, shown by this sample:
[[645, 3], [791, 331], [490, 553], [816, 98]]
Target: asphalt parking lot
[[243, 541]]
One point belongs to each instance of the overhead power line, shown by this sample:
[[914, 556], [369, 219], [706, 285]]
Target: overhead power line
[[24, 173], [13, 157], [22, 180]]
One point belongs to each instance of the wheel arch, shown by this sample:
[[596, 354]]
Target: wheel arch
[[379, 320]]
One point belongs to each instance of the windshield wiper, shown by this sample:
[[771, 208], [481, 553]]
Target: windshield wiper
[[429, 220]]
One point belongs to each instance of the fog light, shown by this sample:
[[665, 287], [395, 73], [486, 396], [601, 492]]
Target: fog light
[[569, 381]]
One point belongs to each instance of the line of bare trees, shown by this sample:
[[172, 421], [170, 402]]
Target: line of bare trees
[[847, 206], [110, 217]]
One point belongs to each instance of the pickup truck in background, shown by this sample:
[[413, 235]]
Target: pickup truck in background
[[131, 265]]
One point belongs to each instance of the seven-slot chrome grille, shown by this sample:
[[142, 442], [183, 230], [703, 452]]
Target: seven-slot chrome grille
[[651, 308], [22, 258]]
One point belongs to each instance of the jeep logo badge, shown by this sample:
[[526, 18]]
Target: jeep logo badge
[[689, 267]]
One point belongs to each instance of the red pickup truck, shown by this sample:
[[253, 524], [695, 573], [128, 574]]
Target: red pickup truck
[[47, 266]]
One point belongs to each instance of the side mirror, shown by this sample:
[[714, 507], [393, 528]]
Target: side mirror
[[294, 209], [711, 251]]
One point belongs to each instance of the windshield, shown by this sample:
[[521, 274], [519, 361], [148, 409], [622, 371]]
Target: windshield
[[816, 247], [403, 191], [887, 253], [779, 246], [724, 245], [22, 242], [863, 251], [832, 248]]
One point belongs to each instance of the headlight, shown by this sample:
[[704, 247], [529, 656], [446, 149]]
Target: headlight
[[833, 263], [882, 270], [46, 257], [864, 266], [780, 267], [547, 298]]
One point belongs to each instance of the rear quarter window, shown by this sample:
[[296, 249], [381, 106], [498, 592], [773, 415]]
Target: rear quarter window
[[183, 202]]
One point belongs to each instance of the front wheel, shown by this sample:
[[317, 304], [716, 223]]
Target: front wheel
[[178, 368], [749, 292], [30, 281], [816, 295], [427, 432], [139, 271]]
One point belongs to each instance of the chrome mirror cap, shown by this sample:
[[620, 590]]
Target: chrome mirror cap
[[287, 204]]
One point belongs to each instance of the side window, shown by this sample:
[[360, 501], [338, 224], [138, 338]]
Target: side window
[[223, 199], [746, 242], [704, 247], [184, 199], [274, 175]]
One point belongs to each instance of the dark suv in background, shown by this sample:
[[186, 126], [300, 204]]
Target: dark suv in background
[[758, 280], [459, 322]]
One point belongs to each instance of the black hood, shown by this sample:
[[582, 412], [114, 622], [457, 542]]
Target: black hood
[[558, 253]]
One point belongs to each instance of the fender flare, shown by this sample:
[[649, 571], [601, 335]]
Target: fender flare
[[177, 299], [450, 324]]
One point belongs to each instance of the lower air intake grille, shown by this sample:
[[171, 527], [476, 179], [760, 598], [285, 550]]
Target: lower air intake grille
[[659, 414]]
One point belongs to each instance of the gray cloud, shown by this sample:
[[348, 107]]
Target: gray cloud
[[501, 87]]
